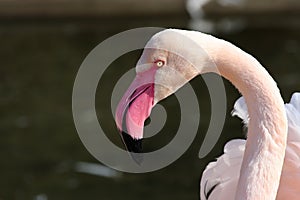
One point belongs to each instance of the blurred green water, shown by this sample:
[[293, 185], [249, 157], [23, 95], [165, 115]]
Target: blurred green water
[[38, 141]]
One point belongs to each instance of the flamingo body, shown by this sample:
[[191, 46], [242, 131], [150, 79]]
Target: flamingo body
[[220, 178]]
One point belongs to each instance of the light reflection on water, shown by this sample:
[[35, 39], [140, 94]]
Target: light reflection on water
[[39, 144]]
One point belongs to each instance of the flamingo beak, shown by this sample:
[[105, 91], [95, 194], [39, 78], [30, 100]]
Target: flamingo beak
[[135, 106]]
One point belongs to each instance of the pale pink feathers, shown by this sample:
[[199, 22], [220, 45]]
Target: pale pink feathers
[[223, 174]]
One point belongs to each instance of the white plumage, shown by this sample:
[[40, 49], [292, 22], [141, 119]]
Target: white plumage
[[220, 178]]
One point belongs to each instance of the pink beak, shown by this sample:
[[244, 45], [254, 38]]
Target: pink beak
[[136, 104]]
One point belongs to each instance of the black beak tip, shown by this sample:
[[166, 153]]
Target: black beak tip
[[134, 146]]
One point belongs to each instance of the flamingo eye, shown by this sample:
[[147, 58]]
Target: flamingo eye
[[159, 63]]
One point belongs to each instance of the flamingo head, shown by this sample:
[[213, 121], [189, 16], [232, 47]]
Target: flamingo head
[[169, 60]]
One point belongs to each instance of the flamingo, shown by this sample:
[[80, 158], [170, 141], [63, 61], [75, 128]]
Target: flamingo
[[266, 166]]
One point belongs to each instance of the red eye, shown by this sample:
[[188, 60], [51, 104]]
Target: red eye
[[159, 63]]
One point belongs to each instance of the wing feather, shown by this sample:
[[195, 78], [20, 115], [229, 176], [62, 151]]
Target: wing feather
[[219, 179], [222, 175]]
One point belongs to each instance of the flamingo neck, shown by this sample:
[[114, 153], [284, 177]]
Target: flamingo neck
[[267, 132]]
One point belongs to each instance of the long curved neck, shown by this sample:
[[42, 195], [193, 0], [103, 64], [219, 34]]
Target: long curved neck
[[267, 133]]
